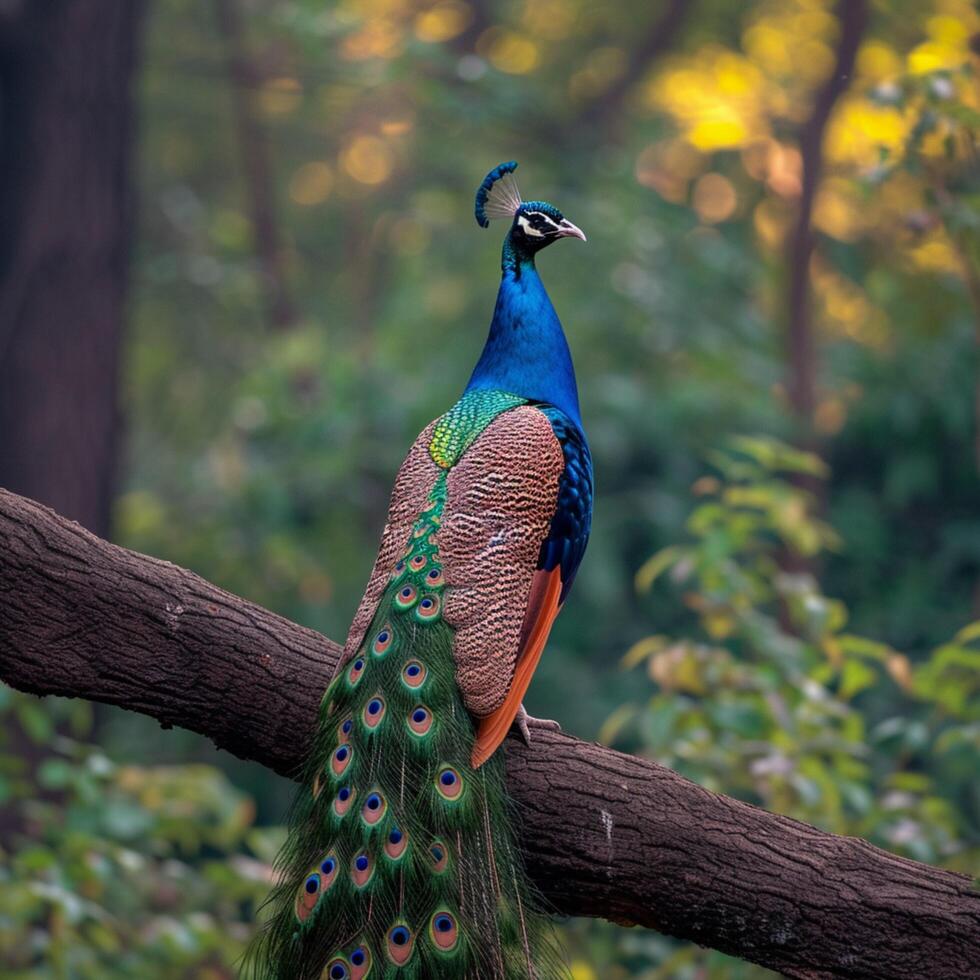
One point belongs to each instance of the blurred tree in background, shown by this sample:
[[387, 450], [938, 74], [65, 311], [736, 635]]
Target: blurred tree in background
[[783, 208]]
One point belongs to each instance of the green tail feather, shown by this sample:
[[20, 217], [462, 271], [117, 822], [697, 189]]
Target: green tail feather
[[401, 861]]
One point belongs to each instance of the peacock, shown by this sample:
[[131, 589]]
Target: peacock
[[401, 860]]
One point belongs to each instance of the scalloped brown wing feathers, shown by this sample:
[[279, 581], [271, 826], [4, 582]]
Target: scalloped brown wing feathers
[[500, 500]]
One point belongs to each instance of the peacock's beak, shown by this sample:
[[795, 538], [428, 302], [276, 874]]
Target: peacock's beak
[[567, 230]]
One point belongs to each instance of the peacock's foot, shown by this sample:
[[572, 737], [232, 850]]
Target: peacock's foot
[[524, 722]]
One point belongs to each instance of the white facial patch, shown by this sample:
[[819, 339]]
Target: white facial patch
[[529, 229]]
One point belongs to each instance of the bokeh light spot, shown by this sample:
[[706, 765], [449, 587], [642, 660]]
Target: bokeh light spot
[[714, 198], [311, 183], [368, 160], [280, 96], [508, 51], [442, 22]]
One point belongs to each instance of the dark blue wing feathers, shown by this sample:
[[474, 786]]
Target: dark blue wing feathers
[[570, 527]]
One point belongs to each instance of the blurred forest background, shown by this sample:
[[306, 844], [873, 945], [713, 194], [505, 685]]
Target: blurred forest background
[[776, 324]]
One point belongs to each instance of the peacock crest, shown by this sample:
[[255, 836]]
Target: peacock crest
[[498, 196]]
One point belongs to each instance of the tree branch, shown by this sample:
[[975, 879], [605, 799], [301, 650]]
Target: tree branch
[[604, 834]]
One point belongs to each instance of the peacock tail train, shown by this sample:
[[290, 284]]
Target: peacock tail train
[[402, 861]]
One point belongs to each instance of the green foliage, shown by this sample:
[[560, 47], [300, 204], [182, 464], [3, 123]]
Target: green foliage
[[118, 871], [766, 695]]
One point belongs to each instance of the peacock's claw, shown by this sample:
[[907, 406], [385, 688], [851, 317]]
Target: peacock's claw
[[547, 724], [524, 722]]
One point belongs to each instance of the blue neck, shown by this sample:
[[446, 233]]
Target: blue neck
[[526, 352]]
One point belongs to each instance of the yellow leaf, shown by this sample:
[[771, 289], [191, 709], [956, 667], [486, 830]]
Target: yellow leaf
[[687, 675], [860, 129], [653, 567], [678, 668], [933, 56], [725, 130], [644, 648], [878, 61], [859, 646], [614, 724], [968, 633], [719, 625]]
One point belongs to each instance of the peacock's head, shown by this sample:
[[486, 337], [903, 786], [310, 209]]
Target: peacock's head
[[535, 224]]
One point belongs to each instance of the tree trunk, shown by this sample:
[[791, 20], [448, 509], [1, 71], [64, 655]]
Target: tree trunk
[[66, 126], [253, 145], [604, 834], [801, 381]]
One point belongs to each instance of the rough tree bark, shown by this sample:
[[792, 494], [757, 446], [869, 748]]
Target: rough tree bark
[[605, 834], [65, 132]]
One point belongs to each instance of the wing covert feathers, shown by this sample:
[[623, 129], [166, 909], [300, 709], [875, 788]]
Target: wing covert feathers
[[500, 499], [542, 608]]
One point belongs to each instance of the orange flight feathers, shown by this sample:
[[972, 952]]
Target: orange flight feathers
[[542, 608]]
